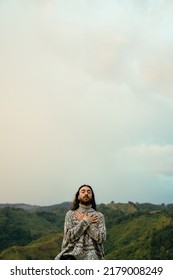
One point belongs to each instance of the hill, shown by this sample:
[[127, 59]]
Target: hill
[[134, 238], [24, 206], [133, 232], [45, 248]]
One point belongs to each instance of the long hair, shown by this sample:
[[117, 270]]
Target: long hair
[[75, 203]]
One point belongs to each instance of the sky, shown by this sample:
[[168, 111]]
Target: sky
[[86, 97]]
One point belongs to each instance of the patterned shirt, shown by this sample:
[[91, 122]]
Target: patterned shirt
[[82, 239]]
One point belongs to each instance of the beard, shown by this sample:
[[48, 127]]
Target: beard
[[86, 200]]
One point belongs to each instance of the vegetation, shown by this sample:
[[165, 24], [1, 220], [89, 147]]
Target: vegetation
[[134, 231]]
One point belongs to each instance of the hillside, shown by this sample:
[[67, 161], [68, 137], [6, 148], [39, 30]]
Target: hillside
[[132, 232], [45, 248], [123, 207], [20, 227], [134, 239]]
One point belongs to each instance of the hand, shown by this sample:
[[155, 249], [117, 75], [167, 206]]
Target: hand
[[91, 219], [79, 216]]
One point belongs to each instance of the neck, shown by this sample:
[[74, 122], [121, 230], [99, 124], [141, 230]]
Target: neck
[[85, 208]]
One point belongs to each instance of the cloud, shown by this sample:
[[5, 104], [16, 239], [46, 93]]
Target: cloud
[[156, 158]]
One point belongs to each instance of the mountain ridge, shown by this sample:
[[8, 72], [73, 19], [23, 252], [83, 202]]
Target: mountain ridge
[[67, 205]]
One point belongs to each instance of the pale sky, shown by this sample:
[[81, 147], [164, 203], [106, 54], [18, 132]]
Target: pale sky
[[86, 97]]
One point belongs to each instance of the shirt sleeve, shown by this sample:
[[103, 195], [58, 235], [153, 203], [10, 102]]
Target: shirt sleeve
[[97, 231], [73, 231]]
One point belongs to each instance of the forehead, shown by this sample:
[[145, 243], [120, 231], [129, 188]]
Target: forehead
[[85, 188]]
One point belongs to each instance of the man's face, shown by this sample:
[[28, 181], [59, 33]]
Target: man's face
[[85, 195]]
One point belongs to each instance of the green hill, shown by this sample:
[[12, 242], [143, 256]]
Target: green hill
[[133, 239], [123, 207], [45, 248], [20, 227], [133, 232]]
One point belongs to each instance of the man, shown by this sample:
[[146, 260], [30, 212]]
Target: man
[[84, 229]]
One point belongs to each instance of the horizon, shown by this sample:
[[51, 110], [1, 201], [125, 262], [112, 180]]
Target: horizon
[[114, 202]]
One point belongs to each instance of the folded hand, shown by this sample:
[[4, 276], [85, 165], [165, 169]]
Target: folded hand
[[92, 219]]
